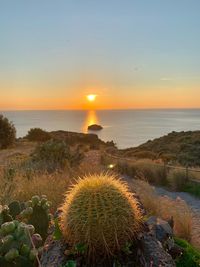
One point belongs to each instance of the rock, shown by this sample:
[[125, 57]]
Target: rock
[[160, 228], [152, 253], [158, 244], [54, 253], [95, 127]]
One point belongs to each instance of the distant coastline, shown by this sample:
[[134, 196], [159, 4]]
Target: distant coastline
[[127, 128]]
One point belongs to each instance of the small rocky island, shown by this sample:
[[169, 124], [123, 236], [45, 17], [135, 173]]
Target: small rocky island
[[95, 127]]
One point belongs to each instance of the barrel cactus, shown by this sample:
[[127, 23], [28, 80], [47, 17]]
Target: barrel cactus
[[101, 213]]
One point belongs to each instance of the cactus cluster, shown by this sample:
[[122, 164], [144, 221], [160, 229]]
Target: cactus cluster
[[37, 214], [5, 214], [15, 244], [100, 212]]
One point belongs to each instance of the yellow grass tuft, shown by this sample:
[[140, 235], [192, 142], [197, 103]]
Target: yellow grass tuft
[[165, 207]]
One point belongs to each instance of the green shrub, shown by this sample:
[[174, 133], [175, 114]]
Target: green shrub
[[190, 257], [52, 155], [37, 134], [55, 155], [100, 213], [192, 188], [7, 133]]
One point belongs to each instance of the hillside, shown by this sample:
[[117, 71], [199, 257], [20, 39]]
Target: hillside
[[177, 147]]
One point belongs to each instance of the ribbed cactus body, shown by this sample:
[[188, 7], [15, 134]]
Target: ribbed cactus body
[[101, 213]]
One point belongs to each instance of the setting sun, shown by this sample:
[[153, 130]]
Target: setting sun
[[91, 97]]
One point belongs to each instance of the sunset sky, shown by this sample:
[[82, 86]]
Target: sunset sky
[[131, 54]]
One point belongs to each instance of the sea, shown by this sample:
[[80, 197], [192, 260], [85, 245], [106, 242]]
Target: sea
[[127, 128]]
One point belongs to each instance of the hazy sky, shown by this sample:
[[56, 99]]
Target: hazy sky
[[131, 53]]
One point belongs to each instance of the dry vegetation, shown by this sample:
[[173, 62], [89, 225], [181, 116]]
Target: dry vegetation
[[165, 208], [20, 188]]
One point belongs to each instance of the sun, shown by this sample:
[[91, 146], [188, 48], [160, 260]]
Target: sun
[[91, 97]]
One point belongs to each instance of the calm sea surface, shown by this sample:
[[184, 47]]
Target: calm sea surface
[[127, 128]]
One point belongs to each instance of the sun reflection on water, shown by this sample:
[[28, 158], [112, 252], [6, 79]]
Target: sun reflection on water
[[91, 118]]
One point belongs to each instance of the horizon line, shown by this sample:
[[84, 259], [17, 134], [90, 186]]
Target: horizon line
[[106, 109]]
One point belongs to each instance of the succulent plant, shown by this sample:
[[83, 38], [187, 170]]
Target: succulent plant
[[16, 245], [100, 212], [14, 208], [4, 214], [37, 214]]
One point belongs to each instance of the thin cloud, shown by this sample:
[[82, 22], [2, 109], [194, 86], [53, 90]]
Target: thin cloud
[[180, 78]]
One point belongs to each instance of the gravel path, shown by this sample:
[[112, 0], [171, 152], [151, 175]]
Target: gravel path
[[192, 201]]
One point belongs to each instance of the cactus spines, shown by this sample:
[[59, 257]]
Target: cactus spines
[[101, 213]]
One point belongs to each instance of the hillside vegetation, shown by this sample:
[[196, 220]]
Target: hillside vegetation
[[176, 147]]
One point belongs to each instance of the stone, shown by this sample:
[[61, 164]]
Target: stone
[[160, 228], [152, 252], [95, 127]]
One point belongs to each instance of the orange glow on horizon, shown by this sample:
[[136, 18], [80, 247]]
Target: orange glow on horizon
[[80, 100]]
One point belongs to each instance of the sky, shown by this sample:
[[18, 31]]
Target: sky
[[130, 53]]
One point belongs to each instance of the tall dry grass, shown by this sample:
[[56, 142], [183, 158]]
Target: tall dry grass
[[152, 172], [165, 207], [19, 187]]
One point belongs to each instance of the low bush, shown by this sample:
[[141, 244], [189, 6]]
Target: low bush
[[192, 188], [190, 257], [7, 133], [37, 134], [55, 155]]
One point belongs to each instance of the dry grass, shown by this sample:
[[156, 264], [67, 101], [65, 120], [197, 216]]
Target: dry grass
[[53, 185], [20, 188], [177, 179], [165, 207], [152, 172]]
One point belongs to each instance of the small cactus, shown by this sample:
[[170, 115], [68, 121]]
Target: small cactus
[[100, 213], [16, 245], [37, 214], [4, 214], [14, 208]]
